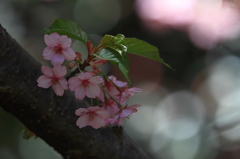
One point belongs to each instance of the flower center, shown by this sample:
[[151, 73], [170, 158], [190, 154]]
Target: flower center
[[58, 49], [91, 115], [55, 79], [85, 83]]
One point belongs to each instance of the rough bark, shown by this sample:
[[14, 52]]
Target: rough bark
[[51, 117]]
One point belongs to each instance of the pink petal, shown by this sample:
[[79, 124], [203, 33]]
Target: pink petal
[[112, 90], [93, 91], [97, 90], [47, 71], [134, 106], [103, 114], [73, 80], [69, 54], [60, 71], [89, 93], [101, 96], [111, 121], [51, 39], [96, 80], [81, 111], [83, 121], [97, 122], [108, 121], [44, 81], [58, 89], [84, 76], [57, 59], [112, 109], [93, 109], [80, 93], [73, 83], [115, 119], [113, 78], [63, 83], [64, 41], [49, 55], [135, 89], [48, 51], [118, 83], [126, 112], [122, 98]]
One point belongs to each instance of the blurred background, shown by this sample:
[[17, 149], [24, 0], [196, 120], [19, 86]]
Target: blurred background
[[190, 113]]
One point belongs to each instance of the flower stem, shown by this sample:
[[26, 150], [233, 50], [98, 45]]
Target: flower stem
[[98, 102], [91, 101]]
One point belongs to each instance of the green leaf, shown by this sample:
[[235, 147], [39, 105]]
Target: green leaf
[[119, 38], [142, 48], [114, 43], [67, 27], [116, 59]]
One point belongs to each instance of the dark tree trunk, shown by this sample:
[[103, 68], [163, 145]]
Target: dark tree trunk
[[51, 117]]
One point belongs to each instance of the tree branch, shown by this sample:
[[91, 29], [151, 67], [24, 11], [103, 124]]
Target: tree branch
[[51, 117]]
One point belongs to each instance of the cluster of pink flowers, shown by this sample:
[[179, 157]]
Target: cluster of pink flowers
[[108, 91]]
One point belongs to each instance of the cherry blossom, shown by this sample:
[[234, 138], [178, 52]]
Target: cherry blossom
[[85, 85], [93, 116], [58, 49], [111, 88], [126, 93], [55, 78], [122, 114], [110, 91], [110, 106]]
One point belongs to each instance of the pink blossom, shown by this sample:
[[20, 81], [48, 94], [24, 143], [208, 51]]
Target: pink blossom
[[55, 78], [110, 106], [58, 49], [93, 116], [122, 114], [111, 88], [126, 93], [85, 85]]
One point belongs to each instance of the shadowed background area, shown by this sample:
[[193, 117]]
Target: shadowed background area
[[190, 113]]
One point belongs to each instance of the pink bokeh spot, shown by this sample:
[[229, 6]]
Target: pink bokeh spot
[[166, 12], [206, 22], [213, 23]]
